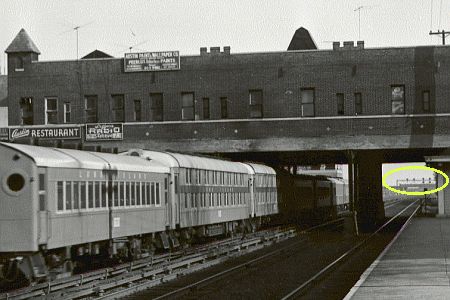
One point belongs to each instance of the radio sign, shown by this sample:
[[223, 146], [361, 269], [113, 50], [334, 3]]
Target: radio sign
[[62, 133], [104, 131], [152, 61]]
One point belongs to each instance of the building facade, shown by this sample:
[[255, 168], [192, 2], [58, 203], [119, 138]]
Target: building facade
[[346, 81]]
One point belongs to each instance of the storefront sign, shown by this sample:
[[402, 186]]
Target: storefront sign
[[62, 133], [152, 61], [104, 131]]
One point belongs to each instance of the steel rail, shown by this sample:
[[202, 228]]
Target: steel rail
[[346, 254], [245, 264], [104, 273]]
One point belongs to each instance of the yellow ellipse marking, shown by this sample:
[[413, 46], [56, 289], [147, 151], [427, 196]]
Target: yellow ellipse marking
[[415, 168]]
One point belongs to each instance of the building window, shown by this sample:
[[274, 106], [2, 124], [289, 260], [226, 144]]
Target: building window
[[137, 110], [206, 108], [340, 104], [51, 111], [358, 104], [19, 63], [67, 112], [308, 96], [90, 109], [223, 107], [26, 111], [156, 101], [398, 99], [118, 108], [426, 101], [187, 106], [256, 103]]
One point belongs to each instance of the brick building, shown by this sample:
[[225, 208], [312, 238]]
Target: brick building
[[346, 81]]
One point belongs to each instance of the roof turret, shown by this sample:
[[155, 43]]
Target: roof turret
[[22, 43]]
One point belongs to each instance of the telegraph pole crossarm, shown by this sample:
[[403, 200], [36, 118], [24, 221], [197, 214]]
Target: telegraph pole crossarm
[[443, 33]]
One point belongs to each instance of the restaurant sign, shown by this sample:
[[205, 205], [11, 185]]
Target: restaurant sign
[[104, 131], [152, 61], [62, 133]]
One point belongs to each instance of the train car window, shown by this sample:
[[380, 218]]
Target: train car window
[[176, 184], [76, 195], [158, 195], [60, 192], [147, 193], [68, 195], [142, 200], [82, 194], [138, 194], [153, 194], [41, 182], [97, 199], [133, 193], [115, 194], [42, 205], [104, 193], [127, 192], [91, 194]]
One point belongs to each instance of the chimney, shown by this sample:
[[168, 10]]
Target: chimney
[[360, 45], [203, 51], [348, 45], [226, 50], [336, 45], [214, 50]]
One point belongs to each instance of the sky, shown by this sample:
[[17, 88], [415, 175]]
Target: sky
[[246, 25]]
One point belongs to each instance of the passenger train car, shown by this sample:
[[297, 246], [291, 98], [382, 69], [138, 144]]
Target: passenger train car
[[307, 198], [62, 208]]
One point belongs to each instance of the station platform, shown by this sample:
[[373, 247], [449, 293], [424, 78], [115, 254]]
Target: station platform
[[415, 266]]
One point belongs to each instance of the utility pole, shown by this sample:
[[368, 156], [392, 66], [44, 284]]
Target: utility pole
[[443, 33]]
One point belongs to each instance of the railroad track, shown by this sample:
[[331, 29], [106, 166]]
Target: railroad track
[[205, 287], [303, 287], [151, 271], [205, 283]]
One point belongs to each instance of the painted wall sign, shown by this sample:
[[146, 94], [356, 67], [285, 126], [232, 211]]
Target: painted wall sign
[[152, 61], [62, 133], [104, 131]]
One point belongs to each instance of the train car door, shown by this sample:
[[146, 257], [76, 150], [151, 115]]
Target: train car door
[[43, 221]]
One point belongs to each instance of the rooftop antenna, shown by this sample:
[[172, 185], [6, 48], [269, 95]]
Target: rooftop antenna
[[75, 28], [359, 16]]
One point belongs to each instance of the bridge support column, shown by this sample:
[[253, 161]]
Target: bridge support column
[[369, 192]]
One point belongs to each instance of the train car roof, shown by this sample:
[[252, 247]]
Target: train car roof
[[75, 159], [261, 169], [178, 160]]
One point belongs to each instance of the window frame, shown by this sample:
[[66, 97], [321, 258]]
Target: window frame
[[427, 107], [254, 104], [118, 109], [50, 111], [393, 100], [67, 112], [157, 107], [185, 116], [206, 108], [308, 104], [358, 104], [90, 112], [224, 107]]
